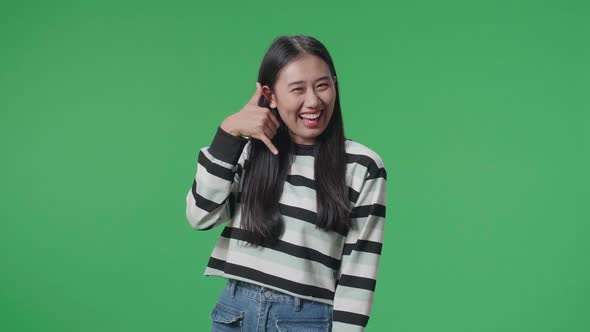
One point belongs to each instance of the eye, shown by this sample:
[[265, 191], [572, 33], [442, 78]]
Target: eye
[[301, 89]]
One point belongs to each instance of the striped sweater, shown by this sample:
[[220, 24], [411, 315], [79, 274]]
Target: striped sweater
[[310, 263]]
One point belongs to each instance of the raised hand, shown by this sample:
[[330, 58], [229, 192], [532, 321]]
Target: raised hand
[[253, 121]]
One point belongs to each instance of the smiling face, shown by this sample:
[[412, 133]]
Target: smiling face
[[304, 94]]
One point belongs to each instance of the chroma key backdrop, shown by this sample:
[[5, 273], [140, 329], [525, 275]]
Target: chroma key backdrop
[[479, 109]]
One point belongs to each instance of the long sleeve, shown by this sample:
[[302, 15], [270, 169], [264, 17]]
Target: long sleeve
[[355, 290], [211, 199]]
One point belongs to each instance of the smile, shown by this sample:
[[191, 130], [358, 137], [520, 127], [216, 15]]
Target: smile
[[311, 120], [310, 116]]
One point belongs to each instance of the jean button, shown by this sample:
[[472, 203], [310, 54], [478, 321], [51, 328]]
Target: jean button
[[268, 293]]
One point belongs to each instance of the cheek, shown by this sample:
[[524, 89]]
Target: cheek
[[287, 116], [292, 104], [330, 96], [288, 109]]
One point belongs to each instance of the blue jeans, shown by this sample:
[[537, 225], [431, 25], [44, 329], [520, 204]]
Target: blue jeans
[[246, 307]]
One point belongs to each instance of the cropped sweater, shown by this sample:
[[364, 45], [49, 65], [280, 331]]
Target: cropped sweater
[[337, 268]]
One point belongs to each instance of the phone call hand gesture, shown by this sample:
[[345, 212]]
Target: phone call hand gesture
[[253, 121]]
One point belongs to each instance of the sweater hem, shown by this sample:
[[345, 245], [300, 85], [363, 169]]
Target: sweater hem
[[216, 273]]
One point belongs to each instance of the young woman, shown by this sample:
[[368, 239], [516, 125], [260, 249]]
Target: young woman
[[303, 206]]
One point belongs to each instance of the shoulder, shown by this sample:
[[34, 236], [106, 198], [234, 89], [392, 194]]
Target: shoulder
[[364, 161], [354, 148]]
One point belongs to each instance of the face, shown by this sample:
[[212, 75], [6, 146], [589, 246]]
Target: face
[[304, 94]]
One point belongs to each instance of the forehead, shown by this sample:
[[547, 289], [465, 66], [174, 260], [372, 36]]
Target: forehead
[[305, 68]]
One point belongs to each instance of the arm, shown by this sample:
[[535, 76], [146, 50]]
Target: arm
[[211, 199], [353, 299]]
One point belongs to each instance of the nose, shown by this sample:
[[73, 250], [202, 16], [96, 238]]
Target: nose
[[312, 100]]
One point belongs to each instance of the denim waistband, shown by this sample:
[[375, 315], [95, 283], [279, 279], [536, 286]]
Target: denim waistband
[[260, 293]]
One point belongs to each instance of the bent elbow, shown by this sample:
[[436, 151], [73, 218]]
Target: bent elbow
[[197, 218]]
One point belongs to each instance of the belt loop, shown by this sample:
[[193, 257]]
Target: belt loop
[[297, 304], [232, 287]]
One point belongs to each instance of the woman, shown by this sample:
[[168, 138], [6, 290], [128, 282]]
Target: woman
[[303, 207]]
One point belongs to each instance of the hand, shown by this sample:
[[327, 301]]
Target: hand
[[253, 121]]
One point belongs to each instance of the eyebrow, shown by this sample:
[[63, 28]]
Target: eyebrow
[[319, 79]]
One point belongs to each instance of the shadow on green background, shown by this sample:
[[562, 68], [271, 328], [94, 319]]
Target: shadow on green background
[[479, 110]]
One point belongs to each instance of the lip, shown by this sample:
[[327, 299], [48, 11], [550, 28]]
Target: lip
[[311, 123]]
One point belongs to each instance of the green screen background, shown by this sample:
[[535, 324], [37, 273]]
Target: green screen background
[[479, 109]]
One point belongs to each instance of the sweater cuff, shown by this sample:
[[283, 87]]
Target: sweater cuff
[[227, 147]]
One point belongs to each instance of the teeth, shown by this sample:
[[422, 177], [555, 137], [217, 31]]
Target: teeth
[[310, 116]]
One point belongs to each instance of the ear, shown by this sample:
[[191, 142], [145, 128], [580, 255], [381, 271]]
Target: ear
[[335, 81], [269, 96]]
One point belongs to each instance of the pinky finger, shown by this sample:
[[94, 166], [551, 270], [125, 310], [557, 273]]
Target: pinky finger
[[269, 144]]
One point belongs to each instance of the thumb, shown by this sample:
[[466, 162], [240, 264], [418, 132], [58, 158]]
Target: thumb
[[256, 97]]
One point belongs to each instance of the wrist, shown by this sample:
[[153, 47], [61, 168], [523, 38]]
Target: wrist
[[228, 128]]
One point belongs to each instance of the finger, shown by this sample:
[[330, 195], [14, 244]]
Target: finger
[[269, 144], [256, 97]]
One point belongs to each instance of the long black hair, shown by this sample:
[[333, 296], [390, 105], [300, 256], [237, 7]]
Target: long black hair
[[264, 173]]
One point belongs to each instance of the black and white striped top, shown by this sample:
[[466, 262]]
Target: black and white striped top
[[307, 262]]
